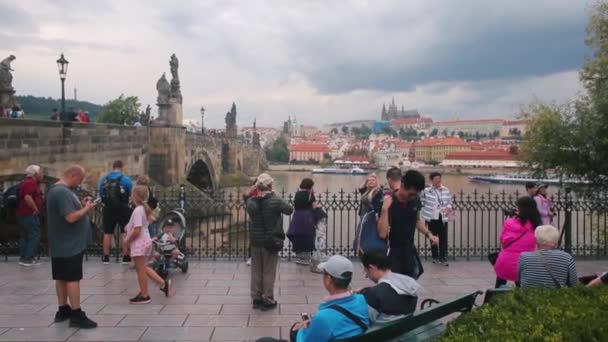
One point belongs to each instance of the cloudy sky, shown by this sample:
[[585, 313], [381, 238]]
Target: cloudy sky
[[322, 61]]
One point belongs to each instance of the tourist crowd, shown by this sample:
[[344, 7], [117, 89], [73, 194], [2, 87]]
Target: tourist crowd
[[390, 217]]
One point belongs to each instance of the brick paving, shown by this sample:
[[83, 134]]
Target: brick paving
[[211, 304]]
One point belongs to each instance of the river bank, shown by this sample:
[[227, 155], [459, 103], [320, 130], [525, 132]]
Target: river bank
[[443, 170]]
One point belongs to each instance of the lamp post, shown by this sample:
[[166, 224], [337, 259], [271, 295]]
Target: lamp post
[[62, 65], [202, 119]]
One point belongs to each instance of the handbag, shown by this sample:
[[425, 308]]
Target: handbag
[[492, 257], [548, 269]]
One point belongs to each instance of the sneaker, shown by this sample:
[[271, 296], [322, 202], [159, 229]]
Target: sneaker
[[444, 262], [35, 262], [79, 319], [248, 263], [257, 303], [63, 314], [268, 305], [167, 288], [105, 259], [126, 259], [26, 263], [435, 261], [302, 261], [139, 299]]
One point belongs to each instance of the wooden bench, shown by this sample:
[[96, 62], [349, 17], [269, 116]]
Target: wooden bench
[[420, 326]]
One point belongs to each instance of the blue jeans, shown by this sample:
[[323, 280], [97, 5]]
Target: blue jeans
[[30, 236]]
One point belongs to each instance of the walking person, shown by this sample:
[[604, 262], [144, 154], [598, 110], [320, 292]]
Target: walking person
[[69, 230], [517, 236], [437, 203], [266, 237], [115, 191], [302, 227], [398, 222], [152, 203], [140, 243], [544, 205], [28, 213]]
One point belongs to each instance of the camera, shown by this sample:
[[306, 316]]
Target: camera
[[510, 212]]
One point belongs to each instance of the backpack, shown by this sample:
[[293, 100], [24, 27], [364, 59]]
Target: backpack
[[114, 194], [11, 197], [368, 238]]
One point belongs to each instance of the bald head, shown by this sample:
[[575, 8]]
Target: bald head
[[73, 175]]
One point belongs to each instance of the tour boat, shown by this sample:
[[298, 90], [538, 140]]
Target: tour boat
[[518, 178], [339, 171]]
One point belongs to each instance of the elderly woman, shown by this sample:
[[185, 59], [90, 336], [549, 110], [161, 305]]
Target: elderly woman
[[547, 266]]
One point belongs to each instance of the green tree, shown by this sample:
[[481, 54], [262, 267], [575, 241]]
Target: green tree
[[434, 132], [408, 133], [361, 133], [571, 139], [123, 110], [334, 131], [345, 129], [278, 151]]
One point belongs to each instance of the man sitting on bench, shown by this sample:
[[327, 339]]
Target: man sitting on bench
[[342, 314], [394, 296]]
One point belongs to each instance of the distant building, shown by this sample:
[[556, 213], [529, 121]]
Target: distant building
[[436, 149], [413, 123], [481, 159], [349, 124], [511, 129], [381, 126], [308, 152], [470, 127], [394, 113]]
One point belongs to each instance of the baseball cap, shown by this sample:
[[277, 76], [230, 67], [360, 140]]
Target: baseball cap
[[337, 266], [264, 179]]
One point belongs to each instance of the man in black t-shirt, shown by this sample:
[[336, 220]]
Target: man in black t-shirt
[[399, 219]]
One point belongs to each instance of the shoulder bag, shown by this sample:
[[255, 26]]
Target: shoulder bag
[[350, 316], [548, 269]]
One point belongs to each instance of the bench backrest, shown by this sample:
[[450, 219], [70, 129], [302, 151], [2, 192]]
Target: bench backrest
[[382, 332]]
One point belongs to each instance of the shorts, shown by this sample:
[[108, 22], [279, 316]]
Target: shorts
[[113, 217], [67, 269]]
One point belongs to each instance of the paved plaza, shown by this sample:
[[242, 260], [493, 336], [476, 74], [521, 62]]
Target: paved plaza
[[212, 301]]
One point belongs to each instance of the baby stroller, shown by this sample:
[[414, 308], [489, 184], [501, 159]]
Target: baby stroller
[[171, 235]]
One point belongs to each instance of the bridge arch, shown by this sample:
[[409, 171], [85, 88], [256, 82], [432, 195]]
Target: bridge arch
[[201, 172]]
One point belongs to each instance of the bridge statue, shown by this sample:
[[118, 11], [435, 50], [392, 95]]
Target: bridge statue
[[176, 91], [7, 99], [231, 129], [164, 90]]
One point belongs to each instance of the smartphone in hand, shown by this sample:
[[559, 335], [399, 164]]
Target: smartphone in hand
[[305, 316], [97, 201]]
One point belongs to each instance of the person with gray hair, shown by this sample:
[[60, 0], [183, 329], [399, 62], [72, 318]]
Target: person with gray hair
[[547, 266], [28, 212], [266, 237]]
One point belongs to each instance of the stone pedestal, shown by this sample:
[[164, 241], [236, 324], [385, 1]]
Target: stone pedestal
[[7, 98], [167, 154], [175, 112]]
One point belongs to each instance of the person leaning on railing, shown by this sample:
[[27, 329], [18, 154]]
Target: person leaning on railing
[[547, 266]]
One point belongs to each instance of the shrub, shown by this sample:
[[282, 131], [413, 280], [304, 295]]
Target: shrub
[[571, 314]]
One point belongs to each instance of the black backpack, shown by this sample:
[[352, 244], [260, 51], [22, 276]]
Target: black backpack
[[114, 194], [11, 197]]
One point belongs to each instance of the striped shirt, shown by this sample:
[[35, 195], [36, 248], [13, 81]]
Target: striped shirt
[[532, 272], [436, 202]]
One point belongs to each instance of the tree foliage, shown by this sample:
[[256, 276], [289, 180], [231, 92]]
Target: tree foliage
[[361, 133], [278, 151], [571, 139], [123, 110], [345, 129], [42, 107]]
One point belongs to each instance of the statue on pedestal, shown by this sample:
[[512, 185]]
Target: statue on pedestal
[[176, 91], [231, 130], [164, 90], [7, 91]]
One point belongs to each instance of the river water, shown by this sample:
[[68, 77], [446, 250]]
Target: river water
[[290, 181]]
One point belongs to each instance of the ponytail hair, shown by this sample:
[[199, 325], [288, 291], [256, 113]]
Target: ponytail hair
[[140, 197]]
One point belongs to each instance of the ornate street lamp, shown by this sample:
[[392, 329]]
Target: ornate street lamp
[[202, 119], [62, 65]]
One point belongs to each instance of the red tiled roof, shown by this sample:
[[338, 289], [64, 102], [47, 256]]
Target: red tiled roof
[[481, 155], [309, 148], [454, 122]]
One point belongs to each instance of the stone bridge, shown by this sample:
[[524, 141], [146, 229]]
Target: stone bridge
[[168, 154]]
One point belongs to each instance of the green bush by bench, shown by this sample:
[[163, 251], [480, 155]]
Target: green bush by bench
[[570, 314]]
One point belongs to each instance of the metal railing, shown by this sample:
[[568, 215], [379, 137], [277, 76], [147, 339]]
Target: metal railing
[[217, 223]]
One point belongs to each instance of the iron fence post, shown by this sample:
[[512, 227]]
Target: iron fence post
[[568, 222]]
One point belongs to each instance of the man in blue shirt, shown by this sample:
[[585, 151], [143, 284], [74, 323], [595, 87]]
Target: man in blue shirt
[[342, 314], [115, 192]]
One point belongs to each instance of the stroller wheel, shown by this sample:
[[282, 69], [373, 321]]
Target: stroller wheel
[[184, 267]]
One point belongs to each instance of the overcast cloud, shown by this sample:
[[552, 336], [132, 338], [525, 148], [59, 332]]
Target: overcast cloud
[[322, 61]]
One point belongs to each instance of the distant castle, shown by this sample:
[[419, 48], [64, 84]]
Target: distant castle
[[394, 113]]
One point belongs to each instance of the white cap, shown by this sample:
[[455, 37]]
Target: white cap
[[264, 179], [336, 266]]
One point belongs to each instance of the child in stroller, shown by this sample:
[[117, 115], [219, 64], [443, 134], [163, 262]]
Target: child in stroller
[[167, 254]]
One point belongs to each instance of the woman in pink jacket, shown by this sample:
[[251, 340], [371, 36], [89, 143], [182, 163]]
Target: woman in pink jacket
[[544, 204], [517, 236]]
